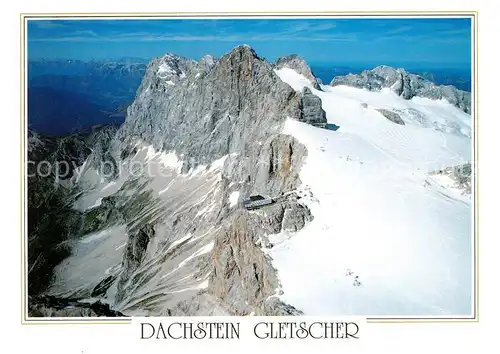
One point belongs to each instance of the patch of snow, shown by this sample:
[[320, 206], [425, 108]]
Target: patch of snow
[[206, 209], [294, 79], [121, 246], [179, 241], [205, 249], [110, 184], [233, 198], [218, 164], [95, 236], [164, 68], [171, 160], [202, 285], [167, 187], [96, 204]]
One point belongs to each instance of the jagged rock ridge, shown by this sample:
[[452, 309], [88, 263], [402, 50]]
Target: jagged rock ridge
[[209, 113], [405, 84], [179, 255]]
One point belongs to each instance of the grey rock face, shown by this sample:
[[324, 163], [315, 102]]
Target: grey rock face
[[295, 217], [298, 64], [133, 256], [276, 307], [52, 221], [405, 85], [313, 112], [241, 272], [242, 275], [392, 116], [100, 158], [204, 117], [206, 64], [180, 230], [235, 105], [269, 166], [460, 174]]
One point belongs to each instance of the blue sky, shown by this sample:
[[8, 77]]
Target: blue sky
[[438, 42]]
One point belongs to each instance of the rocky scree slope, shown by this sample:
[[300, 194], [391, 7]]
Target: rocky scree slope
[[215, 128], [52, 221]]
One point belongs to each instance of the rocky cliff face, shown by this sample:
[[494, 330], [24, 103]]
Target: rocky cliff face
[[51, 219], [179, 242], [405, 85], [312, 112], [211, 109]]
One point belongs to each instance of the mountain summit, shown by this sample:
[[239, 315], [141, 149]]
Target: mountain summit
[[229, 103]]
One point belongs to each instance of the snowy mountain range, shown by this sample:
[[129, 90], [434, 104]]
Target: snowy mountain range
[[370, 180]]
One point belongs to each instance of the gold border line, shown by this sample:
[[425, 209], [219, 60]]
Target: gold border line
[[23, 138], [473, 15], [260, 13], [476, 164]]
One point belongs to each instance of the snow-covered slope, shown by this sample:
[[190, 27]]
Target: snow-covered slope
[[386, 239]]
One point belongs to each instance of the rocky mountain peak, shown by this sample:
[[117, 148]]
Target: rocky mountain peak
[[244, 48], [172, 66], [206, 63], [386, 71], [299, 65], [241, 55], [205, 115]]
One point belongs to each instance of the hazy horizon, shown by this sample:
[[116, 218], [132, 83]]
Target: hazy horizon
[[433, 42]]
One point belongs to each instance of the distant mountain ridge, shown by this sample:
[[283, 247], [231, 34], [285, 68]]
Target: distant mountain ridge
[[405, 84], [37, 67], [66, 96], [460, 78]]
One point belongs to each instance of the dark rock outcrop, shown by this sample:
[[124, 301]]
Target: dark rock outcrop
[[461, 175], [49, 306], [312, 111], [133, 256], [242, 275], [392, 116]]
